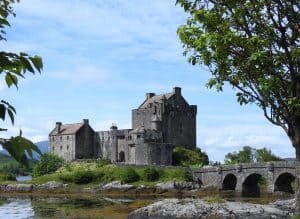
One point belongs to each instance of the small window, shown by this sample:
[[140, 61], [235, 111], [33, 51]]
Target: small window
[[60, 137], [60, 147], [67, 147], [155, 108], [67, 137], [53, 138], [138, 136], [53, 148]]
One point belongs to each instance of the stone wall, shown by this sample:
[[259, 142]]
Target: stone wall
[[85, 142], [63, 146]]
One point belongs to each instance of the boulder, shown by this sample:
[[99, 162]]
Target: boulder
[[198, 208], [51, 185], [116, 185]]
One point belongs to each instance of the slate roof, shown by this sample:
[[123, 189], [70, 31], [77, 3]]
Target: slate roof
[[156, 98], [67, 129]]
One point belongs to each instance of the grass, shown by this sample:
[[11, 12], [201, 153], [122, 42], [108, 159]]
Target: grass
[[214, 199], [108, 173]]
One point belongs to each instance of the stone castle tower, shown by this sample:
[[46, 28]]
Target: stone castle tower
[[158, 124]]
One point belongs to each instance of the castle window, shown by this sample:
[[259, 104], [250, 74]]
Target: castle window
[[155, 108], [52, 148], [67, 137], [60, 137], [138, 136], [53, 138], [67, 147], [60, 147]]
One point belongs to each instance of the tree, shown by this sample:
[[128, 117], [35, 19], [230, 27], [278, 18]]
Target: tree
[[265, 155], [14, 66], [250, 155], [185, 157], [243, 156], [253, 45]]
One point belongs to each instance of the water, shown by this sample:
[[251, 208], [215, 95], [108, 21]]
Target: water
[[46, 207], [21, 178]]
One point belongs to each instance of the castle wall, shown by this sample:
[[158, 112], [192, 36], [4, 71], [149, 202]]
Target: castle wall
[[85, 143], [143, 116], [179, 123], [63, 146]]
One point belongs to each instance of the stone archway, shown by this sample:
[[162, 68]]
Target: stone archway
[[121, 156], [283, 183], [250, 186], [229, 182]]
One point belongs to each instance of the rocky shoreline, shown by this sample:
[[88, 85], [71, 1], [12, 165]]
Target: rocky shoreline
[[199, 208]]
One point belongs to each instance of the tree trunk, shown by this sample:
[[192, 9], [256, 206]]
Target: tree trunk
[[297, 210], [294, 135]]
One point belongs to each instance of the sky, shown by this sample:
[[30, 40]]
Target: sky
[[102, 56]]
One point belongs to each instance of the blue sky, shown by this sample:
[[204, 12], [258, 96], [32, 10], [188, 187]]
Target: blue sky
[[101, 57]]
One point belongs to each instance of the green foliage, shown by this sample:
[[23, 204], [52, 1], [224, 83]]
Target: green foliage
[[7, 177], [48, 163], [150, 174], [129, 175], [12, 67], [103, 162], [83, 177], [187, 157], [252, 46], [250, 155], [265, 155], [188, 176]]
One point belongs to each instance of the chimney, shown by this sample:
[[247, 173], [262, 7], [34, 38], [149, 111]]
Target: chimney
[[177, 91], [58, 126], [114, 126], [149, 95], [85, 121]]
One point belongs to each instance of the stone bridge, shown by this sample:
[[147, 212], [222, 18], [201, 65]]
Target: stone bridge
[[244, 178]]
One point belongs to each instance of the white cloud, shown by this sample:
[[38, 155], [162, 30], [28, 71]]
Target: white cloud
[[83, 74], [218, 141]]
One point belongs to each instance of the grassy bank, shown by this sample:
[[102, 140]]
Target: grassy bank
[[94, 172]]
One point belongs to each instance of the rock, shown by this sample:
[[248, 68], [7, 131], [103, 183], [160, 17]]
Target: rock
[[18, 187], [198, 208], [165, 186], [51, 185], [117, 185]]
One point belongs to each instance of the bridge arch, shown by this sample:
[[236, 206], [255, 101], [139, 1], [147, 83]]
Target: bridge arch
[[283, 183], [229, 182], [250, 186]]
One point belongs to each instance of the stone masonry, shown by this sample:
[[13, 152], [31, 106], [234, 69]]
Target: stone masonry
[[158, 124]]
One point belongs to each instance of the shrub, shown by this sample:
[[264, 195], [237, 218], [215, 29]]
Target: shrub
[[150, 174], [188, 176], [66, 177], [129, 175], [103, 162], [7, 177], [48, 163], [83, 176], [185, 157]]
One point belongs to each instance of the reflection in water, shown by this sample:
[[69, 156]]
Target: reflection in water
[[16, 208], [67, 207], [90, 206]]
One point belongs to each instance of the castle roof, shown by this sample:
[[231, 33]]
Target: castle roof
[[67, 129], [156, 98]]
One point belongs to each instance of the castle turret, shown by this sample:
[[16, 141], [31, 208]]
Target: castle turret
[[156, 123], [114, 142]]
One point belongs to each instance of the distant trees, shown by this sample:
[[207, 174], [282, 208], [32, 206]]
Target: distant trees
[[250, 155]]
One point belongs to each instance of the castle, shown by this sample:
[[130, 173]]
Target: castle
[[158, 124]]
